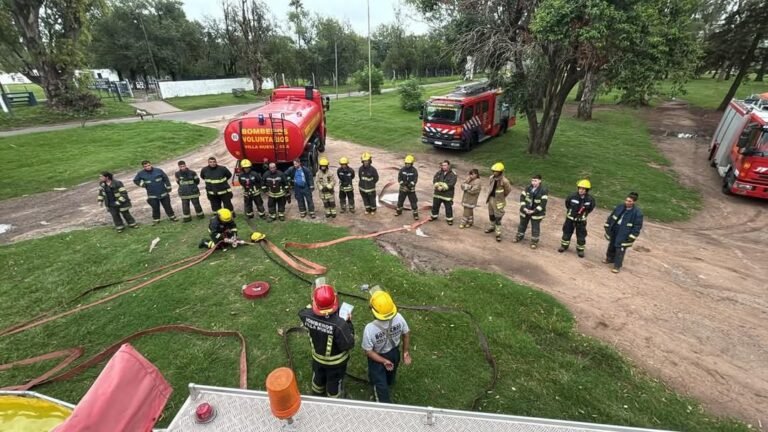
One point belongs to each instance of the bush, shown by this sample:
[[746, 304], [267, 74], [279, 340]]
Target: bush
[[80, 104], [361, 79], [411, 96]]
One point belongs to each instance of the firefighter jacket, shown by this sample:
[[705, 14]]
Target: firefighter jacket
[[293, 176], [623, 225], [331, 337], [346, 175], [251, 182], [368, 178], [578, 207], [114, 195], [188, 181], [408, 177], [445, 184], [221, 230], [216, 180], [471, 190], [326, 182], [155, 182], [535, 200], [499, 189], [275, 184]]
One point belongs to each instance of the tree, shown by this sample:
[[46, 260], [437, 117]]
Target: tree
[[376, 79], [411, 97], [248, 21], [45, 40]]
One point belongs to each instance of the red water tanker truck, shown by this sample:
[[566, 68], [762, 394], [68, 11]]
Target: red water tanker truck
[[290, 126]]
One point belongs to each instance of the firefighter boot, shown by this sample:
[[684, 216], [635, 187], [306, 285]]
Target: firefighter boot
[[580, 251], [201, 215], [343, 209], [518, 238], [352, 209], [415, 215], [312, 215], [497, 229], [470, 221], [534, 243], [463, 223], [491, 228], [563, 246], [398, 211]]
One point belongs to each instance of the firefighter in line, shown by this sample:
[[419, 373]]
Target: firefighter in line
[[217, 185], [301, 181], [533, 208], [622, 228], [222, 230], [157, 184], [577, 207], [250, 180], [275, 184], [381, 343], [188, 180], [331, 338], [407, 178], [326, 183], [444, 183], [346, 190], [114, 197], [471, 187], [367, 183], [497, 198]]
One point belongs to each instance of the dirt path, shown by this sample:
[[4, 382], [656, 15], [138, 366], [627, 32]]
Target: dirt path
[[690, 305]]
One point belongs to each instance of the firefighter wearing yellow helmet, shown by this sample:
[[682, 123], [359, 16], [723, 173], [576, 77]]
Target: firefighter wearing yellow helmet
[[251, 182], [382, 338], [326, 183], [346, 191], [407, 178], [367, 184], [578, 206], [222, 230], [498, 189]]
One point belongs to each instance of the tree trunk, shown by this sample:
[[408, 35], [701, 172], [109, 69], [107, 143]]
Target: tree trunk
[[721, 75], [541, 134], [714, 75], [763, 65], [729, 71], [588, 98], [579, 91], [743, 68]]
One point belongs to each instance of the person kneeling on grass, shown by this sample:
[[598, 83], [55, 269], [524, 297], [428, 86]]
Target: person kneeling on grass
[[222, 229]]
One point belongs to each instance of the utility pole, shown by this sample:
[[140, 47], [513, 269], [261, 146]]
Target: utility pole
[[149, 49], [370, 93], [336, 77]]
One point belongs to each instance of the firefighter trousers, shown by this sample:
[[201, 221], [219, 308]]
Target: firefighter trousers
[[523, 227], [304, 199], [276, 207], [436, 203], [411, 195], [329, 203], [468, 217], [380, 378], [581, 234], [347, 198], [118, 216], [219, 201], [248, 201], [155, 203], [328, 380], [185, 211], [615, 254], [369, 201]]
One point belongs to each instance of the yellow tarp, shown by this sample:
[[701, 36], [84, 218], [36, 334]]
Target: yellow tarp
[[27, 414]]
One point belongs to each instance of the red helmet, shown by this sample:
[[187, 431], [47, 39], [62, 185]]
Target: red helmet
[[324, 300]]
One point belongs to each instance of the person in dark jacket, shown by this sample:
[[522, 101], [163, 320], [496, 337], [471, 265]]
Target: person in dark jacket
[[331, 338], [188, 180], [346, 190], [158, 187], [533, 208], [577, 207], [369, 176], [444, 183], [114, 197], [222, 231], [300, 178], [216, 179], [407, 178], [251, 183], [275, 184], [622, 228]]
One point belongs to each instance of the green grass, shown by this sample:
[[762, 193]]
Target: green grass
[[708, 93], [189, 103], [34, 88], [72, 156], [40, 115], [546, 368], [614, 150]]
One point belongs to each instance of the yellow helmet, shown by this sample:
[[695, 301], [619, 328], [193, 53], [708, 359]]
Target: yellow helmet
[[323, 162], [344, 161], [225, 215], [366, 157], [257, 237], [498, 167], [382, 306], [409, 159], [245, 163], [585, 183]]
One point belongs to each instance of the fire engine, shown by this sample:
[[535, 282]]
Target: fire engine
[[290, 126], [471, 114], [739, 148]]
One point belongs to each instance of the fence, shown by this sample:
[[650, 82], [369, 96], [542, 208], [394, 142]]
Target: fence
[[169, 89]]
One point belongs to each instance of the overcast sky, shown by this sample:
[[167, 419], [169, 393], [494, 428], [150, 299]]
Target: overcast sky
[[351, 11]]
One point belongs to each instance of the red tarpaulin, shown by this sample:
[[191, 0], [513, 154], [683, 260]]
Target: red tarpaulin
[[128, 395]]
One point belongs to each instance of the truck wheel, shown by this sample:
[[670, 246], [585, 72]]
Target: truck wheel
[[728, 181], [321, 146], [313, 161]]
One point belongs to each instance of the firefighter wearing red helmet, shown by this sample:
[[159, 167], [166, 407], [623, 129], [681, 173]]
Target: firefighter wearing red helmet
[[331, 338]]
